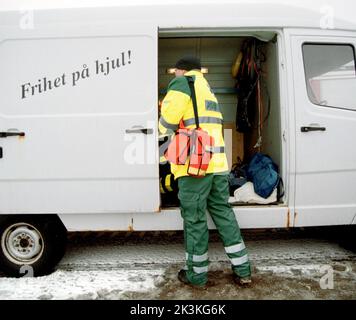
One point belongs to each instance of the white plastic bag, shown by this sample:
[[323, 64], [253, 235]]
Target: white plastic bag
[[246, 194]]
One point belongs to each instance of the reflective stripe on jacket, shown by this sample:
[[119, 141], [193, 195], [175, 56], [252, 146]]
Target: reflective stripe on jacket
[[177, 105]]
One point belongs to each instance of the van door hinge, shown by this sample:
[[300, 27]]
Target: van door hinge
[[285, 136]]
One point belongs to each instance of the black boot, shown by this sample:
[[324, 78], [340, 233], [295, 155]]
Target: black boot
[[182, 277], [242, 281]]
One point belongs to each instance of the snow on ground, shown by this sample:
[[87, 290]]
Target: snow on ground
[[81, 285]]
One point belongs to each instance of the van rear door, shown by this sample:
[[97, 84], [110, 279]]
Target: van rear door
[[85, 96], [324, 83]]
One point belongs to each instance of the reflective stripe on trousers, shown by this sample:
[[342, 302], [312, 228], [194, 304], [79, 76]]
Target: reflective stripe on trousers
[[235, 248], [197, 270], [239, 261], [196, 258]]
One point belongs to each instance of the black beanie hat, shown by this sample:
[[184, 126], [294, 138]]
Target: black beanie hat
[[188, 63]]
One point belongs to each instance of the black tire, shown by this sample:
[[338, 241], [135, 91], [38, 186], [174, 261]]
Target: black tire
[[51, 235], [347, 237]]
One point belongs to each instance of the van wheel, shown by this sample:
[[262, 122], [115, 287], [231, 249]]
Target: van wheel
[[31, 245], [347, 238]]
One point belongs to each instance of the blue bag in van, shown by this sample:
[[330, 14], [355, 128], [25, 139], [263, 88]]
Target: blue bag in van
[[264, 174]]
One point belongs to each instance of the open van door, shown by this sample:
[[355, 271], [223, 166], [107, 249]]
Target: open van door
[[85, 99], [324, 84]]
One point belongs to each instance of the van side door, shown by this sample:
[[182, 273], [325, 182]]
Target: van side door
[[323, 80], [85, 97]]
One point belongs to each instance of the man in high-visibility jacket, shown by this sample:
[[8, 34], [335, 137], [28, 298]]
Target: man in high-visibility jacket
[[211, 192]]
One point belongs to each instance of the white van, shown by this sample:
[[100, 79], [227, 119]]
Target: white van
[[80, 87]]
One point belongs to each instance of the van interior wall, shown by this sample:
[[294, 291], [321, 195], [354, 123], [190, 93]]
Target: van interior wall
[[218, 54], [272, 144], [271, 125]]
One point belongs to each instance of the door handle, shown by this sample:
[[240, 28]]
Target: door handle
[[308, 129], [140, 130], [11, 134]]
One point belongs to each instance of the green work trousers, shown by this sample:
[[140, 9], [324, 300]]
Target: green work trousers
[[197, 195]]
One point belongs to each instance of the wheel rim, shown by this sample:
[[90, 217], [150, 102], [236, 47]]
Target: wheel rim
[[22, 243]]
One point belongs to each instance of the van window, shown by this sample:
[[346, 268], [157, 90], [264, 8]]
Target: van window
[[330, 74]]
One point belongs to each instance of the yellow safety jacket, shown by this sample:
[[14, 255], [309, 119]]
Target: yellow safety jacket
[[177, 105]]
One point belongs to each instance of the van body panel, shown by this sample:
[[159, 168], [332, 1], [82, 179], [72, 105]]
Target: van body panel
[[213, 14], [171, 220]]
